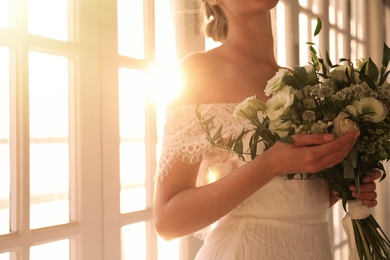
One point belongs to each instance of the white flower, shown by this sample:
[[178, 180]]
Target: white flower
[[338, 73], [281, 127], [340, 96], [371, 109], [275, 83], [343, 123], [279, 105], [360, 62], [249, 107]]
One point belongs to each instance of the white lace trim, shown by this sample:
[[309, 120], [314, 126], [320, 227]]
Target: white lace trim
[[184, 139]]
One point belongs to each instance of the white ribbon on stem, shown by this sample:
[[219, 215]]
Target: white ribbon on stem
[[356, 210]]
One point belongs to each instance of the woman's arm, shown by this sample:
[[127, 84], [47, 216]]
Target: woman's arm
[[181, 208]]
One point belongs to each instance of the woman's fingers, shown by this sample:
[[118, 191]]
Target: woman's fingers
[[311, 139], [367, 189], [328, 154], [375, 176], [311, 153]]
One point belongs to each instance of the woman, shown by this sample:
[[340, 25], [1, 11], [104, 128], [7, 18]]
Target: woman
[[243, 210]]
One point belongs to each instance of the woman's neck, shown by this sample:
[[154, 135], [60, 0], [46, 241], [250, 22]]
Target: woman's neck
[[251, 38]]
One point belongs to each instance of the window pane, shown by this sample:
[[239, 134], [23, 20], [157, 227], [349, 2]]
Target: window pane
[[357, 17], [316, 7], [332, 12], [132, 131], [5, 256], [134, 241], [131, 28], [5, 172], [48, 18], [303, 37], [49, 149], [132, 177], [58, 250], [303, 3], [4, 13]]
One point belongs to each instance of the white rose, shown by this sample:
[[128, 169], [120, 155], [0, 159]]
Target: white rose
[[275, 83], [360, 62], [249, 107], [279, 105], [281, 127], [371, 109], [311, 73], [338, 73], [343, 123]]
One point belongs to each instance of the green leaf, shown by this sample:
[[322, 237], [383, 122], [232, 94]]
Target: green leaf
[[238, 148], [198, 114], [328, 60], [217, 135], [324, 68], [318, 27], [365, 78], [383, 78], [312, 50], [208, 121], [353, 156], [349, 172], [292, 81], [301, 74], [373, 72], [386, 55]]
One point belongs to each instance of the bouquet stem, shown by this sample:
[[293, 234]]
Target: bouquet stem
[[366, 239]]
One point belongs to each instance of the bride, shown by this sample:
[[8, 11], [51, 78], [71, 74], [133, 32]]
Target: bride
[[242, 210]]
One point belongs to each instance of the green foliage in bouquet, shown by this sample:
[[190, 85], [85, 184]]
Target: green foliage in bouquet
[[323, 97]]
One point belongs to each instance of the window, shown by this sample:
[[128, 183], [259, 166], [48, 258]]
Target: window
[[37, 145], [80, 127]]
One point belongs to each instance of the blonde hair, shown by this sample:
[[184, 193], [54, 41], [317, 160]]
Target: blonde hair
[[214, 22]]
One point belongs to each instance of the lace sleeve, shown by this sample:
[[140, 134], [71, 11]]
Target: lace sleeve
[[183, 140]]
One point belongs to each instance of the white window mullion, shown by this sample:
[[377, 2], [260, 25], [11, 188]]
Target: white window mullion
[[87, 105]]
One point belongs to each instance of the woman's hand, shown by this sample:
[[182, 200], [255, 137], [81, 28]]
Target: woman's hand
[[367, 189], [309, 153]]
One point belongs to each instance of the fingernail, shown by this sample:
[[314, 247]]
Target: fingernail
[[356, 135], [329, 137]]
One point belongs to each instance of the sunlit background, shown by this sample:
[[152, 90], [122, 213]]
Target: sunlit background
[[40, 90]]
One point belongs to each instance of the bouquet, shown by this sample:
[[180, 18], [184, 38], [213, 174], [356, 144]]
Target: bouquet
[[323, 97]]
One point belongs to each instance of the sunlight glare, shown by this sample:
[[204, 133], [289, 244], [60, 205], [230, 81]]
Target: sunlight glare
[[164, 84], [48, 18], [4, 16], [58, 250]]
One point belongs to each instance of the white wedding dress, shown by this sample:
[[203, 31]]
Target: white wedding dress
[[285, 219]]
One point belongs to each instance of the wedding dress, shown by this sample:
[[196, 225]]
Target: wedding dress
[[285, 219]]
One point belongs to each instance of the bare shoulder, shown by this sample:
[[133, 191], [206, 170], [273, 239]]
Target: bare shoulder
[[198, 73]]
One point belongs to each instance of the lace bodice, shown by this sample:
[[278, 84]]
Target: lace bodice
[[185, 140], [295, 203]]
